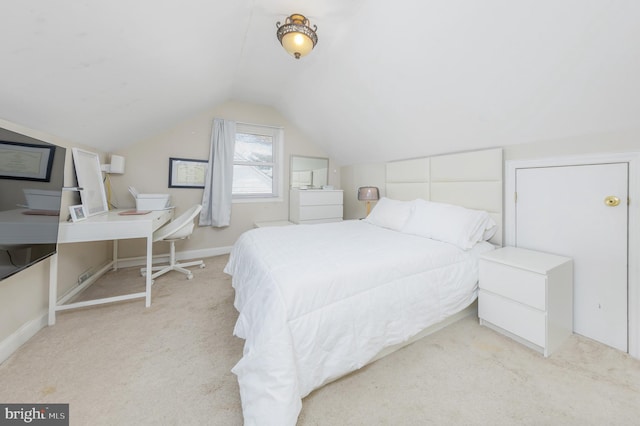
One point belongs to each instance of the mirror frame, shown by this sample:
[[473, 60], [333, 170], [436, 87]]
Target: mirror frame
[[307, 157]]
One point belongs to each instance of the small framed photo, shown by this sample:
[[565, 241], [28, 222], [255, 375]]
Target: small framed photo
[[78, 213], [187, 173]]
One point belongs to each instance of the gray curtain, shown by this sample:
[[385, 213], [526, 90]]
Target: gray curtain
[[218, 186]]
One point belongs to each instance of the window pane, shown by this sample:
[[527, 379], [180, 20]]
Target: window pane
[[254, 148], [252, 180], [256, 162]]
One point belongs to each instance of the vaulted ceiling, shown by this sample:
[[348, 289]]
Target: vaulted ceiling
[[387, 80]]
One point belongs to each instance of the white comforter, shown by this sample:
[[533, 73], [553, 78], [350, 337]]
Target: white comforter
[[319, 301]]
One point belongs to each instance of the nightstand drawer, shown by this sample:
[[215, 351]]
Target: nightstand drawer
[[521, 320], [514, 283]]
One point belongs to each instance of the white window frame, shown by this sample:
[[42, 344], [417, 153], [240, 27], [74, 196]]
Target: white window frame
[[278, 156]]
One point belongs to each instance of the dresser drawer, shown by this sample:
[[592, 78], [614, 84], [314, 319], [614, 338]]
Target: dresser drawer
[[320, 212], [521, 320], [316, 198], [514, 283]]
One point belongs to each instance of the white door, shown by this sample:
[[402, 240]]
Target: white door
[[562, 210]]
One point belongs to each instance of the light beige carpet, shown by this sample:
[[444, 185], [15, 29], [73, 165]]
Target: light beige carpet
[[169, 364]]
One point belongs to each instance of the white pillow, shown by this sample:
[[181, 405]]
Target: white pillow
[[388, 213], [451, 224]]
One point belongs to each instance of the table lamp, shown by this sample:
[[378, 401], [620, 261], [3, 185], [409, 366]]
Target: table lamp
[[368, 194]]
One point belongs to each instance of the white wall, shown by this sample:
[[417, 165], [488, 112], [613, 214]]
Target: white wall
[[612, 142]]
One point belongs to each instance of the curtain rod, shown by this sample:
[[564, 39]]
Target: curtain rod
[[262, 125]]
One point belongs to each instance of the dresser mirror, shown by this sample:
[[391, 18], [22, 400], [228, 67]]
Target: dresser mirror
[[309, 172]]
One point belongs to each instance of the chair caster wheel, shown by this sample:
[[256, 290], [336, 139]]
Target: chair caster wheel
[[190, 276], [202, 266]]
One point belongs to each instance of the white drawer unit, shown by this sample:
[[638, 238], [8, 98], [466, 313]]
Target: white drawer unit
[[528, 296], [315, 206]]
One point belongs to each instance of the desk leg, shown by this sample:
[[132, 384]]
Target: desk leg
[[149, 271], [53, 288], [115, 255]]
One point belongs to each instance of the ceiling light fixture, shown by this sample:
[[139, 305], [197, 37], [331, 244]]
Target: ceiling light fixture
[[296, 35]]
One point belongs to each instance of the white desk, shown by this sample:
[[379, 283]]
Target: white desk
[[105, 227]]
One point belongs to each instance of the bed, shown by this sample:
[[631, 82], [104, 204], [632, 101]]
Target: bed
[[317, 302]]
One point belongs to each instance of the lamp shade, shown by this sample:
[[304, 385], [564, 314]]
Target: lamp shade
[[296, 35], [368, 193]]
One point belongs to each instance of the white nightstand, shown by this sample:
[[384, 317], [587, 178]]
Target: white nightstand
[[528, 296]]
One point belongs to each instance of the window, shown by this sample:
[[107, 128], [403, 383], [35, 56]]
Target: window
[[257, 162]]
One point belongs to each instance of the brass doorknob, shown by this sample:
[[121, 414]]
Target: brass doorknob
[[612, 201]]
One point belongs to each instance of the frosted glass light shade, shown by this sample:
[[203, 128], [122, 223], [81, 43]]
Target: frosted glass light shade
[[297, 44], [296, 36]]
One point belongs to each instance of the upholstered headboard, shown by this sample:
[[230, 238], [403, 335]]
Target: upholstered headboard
[[469, 179]]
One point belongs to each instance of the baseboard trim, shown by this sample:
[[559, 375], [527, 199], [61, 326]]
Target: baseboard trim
[[13, 342]]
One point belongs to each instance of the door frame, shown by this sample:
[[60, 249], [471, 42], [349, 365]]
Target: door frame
[[633, 254]]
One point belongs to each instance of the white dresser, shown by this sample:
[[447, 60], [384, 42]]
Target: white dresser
[[315, 205], [528, 296]]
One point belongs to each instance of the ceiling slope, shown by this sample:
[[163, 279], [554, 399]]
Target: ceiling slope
[[387, 80]]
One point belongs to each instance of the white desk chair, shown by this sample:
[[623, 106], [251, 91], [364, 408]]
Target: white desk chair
[[178, 229]]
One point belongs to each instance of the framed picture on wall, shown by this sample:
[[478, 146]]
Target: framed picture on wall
[[187, 173], [26, 161]]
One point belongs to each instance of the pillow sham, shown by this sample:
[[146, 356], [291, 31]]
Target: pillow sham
[[391, 214], [449, 223]]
